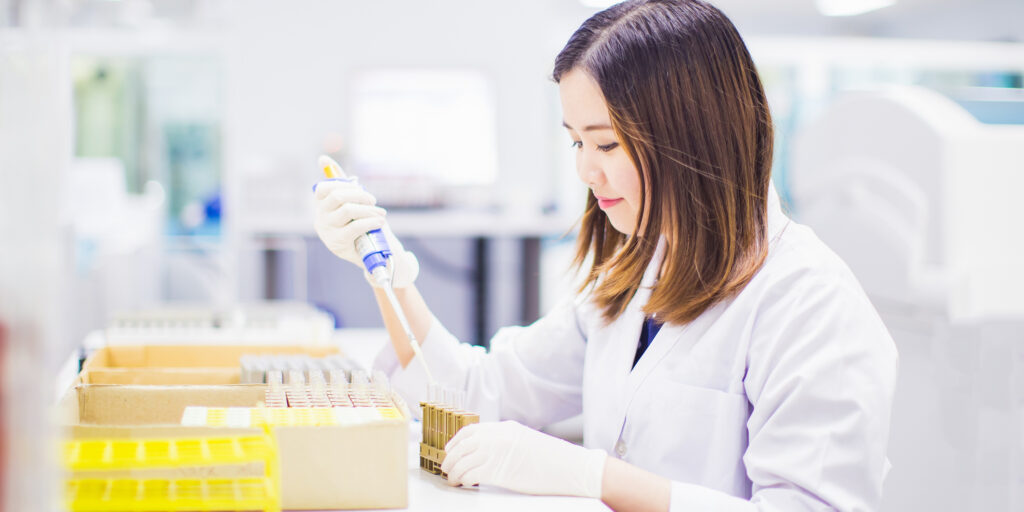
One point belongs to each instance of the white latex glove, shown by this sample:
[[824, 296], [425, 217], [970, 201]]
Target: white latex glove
[[343, 212], [516, 457]]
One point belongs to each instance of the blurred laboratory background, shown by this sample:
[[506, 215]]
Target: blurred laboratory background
[[157, 158]]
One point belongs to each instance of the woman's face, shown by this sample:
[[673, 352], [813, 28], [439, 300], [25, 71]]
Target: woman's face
[[601, 162]]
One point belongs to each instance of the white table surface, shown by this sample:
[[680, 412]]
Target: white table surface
[[428, 492]]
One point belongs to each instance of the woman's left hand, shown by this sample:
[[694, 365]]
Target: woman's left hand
[[516, 457]]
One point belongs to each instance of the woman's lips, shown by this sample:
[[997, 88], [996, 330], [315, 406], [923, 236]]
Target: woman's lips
[[604, 204]]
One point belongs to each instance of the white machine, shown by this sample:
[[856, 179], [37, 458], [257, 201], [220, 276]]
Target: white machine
[[921, 200], [924, 203]]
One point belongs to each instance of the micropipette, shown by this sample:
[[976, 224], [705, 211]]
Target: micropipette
[[373, 249]]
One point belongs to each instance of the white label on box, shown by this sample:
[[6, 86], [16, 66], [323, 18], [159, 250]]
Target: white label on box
[[356, 415], [239, 417], [194, 416]]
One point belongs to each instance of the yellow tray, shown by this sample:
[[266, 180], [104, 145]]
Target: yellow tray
[[84, 455], [117, 495], [124, 494]]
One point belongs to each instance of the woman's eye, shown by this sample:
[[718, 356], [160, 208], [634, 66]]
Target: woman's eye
[[578, 144]]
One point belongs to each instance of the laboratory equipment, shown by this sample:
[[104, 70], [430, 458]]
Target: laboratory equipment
[[318, 447], [373, 249], [258, 323], [101, 458], [443, 417], [256, 367], [309, 401], [271, 417], [315, 392], [921, 200]]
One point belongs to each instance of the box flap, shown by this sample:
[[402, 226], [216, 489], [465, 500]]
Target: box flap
[[178, 356], [161, 376], [112, 404]]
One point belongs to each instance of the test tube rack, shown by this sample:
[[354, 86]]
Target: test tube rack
[[162, 494], [254, 368], [443, 417], [270, 417], [306, 398], [311, 390]]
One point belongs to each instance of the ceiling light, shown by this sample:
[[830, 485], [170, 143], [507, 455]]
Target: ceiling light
[[850, 7]]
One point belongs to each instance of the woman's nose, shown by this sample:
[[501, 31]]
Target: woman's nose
[[588, 173]]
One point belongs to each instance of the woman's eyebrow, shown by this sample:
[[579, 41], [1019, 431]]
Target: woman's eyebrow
[[590, 128]]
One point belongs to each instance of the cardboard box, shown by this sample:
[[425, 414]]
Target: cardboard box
[[160, 376], [334, 467], [175, 364]]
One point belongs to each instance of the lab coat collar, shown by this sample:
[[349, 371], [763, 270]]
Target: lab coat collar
[[777, 220]]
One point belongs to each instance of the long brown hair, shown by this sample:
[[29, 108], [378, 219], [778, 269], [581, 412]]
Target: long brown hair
[[687, 105]]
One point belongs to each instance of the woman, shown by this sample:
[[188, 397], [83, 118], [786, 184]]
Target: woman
[[723, 358]]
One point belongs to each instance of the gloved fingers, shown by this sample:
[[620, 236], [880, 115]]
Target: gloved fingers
[[335, 193], [326, 183], [336, 200], [349, 212], [404, 269], [353, 229], [325, 186], [472, 477], [464, 443], [464, 434], [393, 241], [470, 463]]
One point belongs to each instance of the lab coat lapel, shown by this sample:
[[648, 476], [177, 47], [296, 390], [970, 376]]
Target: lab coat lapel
[[664, 343], [627, 334], [660, 346], [777, 220]]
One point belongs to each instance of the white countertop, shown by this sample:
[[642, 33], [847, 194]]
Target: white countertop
[[431, 492]]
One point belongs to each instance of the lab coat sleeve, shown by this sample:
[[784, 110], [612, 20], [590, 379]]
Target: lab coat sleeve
[[532, 374], [821, 374]]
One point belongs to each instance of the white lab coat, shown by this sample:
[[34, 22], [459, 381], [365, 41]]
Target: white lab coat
[[778, 399]]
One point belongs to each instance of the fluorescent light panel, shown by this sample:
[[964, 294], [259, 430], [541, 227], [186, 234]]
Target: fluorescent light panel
[[850, 7]]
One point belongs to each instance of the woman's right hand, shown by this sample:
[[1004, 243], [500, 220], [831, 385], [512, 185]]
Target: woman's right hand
[[343, 212]]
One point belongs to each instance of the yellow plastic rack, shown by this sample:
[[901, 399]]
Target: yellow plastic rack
[[123, 494], [105, 454]]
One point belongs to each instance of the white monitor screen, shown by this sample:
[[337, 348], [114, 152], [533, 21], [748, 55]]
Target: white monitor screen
[[437, 125]]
